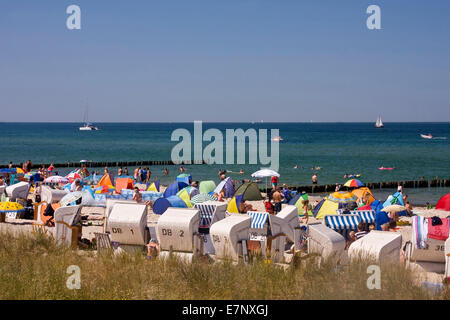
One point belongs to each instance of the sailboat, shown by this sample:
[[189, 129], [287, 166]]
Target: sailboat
[[87, 126], [379, 123]]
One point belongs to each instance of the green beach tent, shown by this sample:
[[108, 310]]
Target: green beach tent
[[249, 191], [207, 186]]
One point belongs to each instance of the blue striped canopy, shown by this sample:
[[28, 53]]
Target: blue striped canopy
[[342, 222], [367, 216], [258, 219], [206, 214]]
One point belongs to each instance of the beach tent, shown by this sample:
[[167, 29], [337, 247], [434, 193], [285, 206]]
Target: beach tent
[[184, 195], [335, 201], [396, 198], [297, 201], [249, 191], [207, 186], [185, 178], [174, 188], [364, 193], [176, 202], [105, 181], [226, 185], [233, 205], [192, 191], [160, 206], [444, 203], [123, 183], [154, 186]]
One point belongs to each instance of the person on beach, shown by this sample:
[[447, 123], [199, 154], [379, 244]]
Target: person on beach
[[10, 165], [241, 171], [77, 186], [28, 166], [360, 231], [305, 207], [286, 193], [137, 174], [274, 182], [137, 195], [166, 171], [119, 171], [149, 175], [399, 188], [245, 207], [50, 169], [338, 187], [351, 239], [314, 178], [125, 171], [277, 199], [409, 208], [144, 175]]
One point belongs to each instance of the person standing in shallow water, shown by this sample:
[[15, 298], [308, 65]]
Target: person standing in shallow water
[[314, 178]]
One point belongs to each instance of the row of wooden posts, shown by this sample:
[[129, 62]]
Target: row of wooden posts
[[306, 188]]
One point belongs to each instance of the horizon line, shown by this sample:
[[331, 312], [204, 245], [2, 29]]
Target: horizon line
[[206, 121]]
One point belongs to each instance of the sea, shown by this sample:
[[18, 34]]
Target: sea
[[329, 149]]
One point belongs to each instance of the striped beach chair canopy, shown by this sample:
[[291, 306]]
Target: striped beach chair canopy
[[258, 219], [206, 213], [342, 222], [367, 216]]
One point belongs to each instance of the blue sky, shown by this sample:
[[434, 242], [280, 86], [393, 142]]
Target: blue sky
[[211, 60]]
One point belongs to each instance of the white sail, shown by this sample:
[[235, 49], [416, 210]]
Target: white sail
[[379, 123], [87, 126]]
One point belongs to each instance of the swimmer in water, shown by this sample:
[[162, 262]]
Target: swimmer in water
[[296, 167]]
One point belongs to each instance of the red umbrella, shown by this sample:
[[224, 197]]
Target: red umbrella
[[73, 176]]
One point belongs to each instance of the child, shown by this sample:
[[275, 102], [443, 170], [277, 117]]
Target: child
[[361, 232]]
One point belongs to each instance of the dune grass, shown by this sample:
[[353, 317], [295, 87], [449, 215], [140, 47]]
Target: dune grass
[[34, 267]]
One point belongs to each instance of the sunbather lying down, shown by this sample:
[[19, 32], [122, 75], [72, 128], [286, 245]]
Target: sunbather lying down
[[245, 207]]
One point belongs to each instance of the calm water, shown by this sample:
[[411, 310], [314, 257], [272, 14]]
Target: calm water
[[337, 148]]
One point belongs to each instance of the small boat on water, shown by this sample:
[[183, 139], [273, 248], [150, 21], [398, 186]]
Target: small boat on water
[[379, 123], [429, 136], [87, 126]]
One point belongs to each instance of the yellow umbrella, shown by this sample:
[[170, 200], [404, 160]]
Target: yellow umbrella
[[10, 207], [20, 171], [394, 208]]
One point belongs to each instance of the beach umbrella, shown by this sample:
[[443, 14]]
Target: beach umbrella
[[354, 183], [11, 207], [393, 208], [7, 170], [265, 173], [70, 197], [19, 171], [56, 179], [202, 197], [73, 176], [342, 197]]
